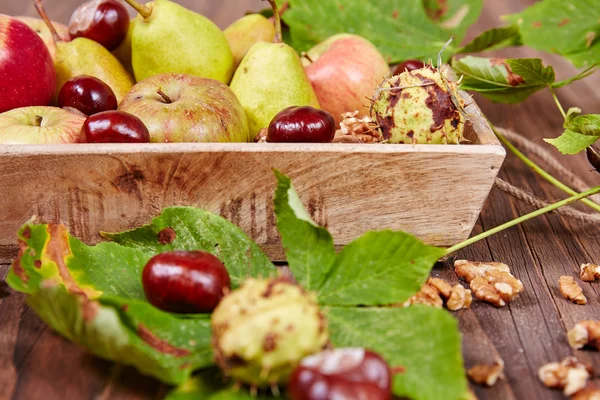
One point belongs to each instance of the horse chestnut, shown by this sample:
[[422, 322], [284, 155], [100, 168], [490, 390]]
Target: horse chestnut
[[104, 21], [87, 94], [301, 125], [408, 65], [347, 373], [115, 127], [185, 281]]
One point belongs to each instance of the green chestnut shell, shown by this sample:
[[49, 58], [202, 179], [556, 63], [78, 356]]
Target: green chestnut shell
[[420, 110], [262, 330]]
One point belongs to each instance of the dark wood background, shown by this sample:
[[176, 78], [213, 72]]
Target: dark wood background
[[37, 364]]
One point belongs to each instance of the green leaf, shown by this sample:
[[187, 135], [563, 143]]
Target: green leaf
[[309, 248], [454, 16], [379, 268], [423, 340], [571, 142], [587, 124], [493, 39], [197, 229], [569, 28], [504, 80], [400, 30], [93, 296]]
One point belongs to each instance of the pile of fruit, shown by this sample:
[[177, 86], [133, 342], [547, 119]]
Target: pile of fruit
[[196, 83]]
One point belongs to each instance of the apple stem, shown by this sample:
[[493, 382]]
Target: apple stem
[[38, 120], [305, 55], [40, 9], [277, 16], [166, 98], [143, 9]]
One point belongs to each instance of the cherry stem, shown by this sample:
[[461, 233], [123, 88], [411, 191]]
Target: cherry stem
[[277, 16], [538, 170], [38, 120], [142, 9], [166, 98], [524, 218], [40, 9]]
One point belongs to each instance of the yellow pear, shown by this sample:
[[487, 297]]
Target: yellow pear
[[247, 31]]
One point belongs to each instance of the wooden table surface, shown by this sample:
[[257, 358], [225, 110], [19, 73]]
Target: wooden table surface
[[37, 364]]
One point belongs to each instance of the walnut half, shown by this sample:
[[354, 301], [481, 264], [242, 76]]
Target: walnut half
[[569, 375], [589, 272], [585, 333], [571, 290], [491, 282], [486, 374]]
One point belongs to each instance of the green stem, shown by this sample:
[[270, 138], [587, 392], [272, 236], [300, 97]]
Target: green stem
[[278, 35], [524, 218], [560, 107], [537, 169], [143, 9]]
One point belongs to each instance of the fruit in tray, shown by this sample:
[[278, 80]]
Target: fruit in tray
[[185, 281], [87, 94], [345, 373], [104, 21], [40, 125], [123, 51], [82, 56], [40, 27], [115, 127], [26, 68], [408, 65], [262, 330], [186, 108], [246, 32], [420, 107], [170, 38], [344, 70], [270, 78], [301, 125]]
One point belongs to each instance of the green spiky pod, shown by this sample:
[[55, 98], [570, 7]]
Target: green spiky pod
[[262, 330], [416, 107]]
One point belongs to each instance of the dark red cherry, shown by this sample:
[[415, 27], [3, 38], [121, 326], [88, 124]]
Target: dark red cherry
[[408, 65], [104, 21], [301, 125], [347, 373], [115, 127], [185, 281], [87, 94]]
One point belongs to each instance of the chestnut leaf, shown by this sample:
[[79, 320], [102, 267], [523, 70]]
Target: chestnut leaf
[[568, 28], [493, 39], [195, 229], [379, 268], [422, 341], [92, 295], [509, 80], [401, 30], [581, 131]]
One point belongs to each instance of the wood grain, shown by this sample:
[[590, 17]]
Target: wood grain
[[526, 334]]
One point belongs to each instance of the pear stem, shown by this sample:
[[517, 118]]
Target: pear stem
[[38, 120], [40, 9], [277, 16], [166, 98], [143, 9]]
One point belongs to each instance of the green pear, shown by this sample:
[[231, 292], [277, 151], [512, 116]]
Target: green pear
[[123, 51], [270, 78], [83, 56], [247, 31], [168, 38]]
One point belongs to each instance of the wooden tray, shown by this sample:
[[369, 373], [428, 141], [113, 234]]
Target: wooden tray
[[435, 192]]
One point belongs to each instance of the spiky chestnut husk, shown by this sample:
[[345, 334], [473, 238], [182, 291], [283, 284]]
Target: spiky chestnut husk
[[262, 330], [416, 107]]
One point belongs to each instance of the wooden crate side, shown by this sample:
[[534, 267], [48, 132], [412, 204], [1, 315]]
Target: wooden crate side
[[434, 192]]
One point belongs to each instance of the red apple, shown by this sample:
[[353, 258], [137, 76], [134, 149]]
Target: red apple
[[344, 70], [42, 29], [186, 108], [41, 125], [27, 76]]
